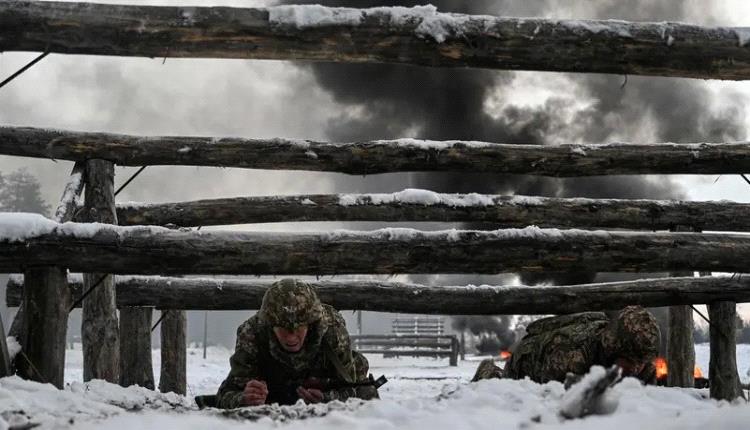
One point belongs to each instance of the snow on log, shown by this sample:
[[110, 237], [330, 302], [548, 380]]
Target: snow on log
[[31, 240], [385, 296], [380, 156], [418, 36], [423, 205]]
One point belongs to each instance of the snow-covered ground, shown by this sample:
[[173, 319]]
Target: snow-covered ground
[[421, 393]]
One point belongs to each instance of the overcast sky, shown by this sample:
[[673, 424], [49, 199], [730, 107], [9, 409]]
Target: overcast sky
[[282, 99]]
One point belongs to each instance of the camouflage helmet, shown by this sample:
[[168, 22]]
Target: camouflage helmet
[[290, 303], [634, 334]]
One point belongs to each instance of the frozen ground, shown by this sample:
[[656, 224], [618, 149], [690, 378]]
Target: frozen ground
[[421, 393]]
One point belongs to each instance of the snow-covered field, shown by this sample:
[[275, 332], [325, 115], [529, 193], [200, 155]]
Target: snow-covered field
[[421, 393]]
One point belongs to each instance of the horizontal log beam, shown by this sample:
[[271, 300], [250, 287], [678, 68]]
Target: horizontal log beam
[[421, 205], [381, 296], [37, 241], [419, 36], [362, 158]]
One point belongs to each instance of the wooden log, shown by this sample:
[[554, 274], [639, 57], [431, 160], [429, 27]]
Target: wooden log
[[680, 347], [680, 343], [384, 296], [154, 250], [45, 326], [722, 366], [173, 352], [136, 367], [5, 362], [454, 352], [419, 36], [99, 326], [67, 207], [363, 158], [421, 205], [48, 282]]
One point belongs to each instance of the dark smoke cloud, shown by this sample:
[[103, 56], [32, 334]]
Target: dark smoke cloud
[[391, 101]]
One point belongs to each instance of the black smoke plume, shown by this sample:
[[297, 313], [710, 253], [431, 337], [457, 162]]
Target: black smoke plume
[[390, 101]]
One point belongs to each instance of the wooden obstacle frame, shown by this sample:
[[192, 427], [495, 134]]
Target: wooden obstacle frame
[[384, 35]]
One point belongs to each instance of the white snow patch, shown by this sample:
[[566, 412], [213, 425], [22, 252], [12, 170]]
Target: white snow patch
[[570, 404], [670, 40], [308, 202], [578, 151], [434, 144], [311, 154], [184, 150], [303, 16], [418, 197], [13, 346], [620, 28], [427, 21], [19, 226]]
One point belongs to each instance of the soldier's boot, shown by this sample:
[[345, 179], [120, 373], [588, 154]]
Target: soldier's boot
[[362, 367]]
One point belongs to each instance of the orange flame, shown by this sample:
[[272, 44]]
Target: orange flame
[[505, 355], [661, 367]]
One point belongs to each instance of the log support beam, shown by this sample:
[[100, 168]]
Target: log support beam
[[420, 36], [680, 347], [427, 206], [99, 325], [154, 250], [722, 367], [385, 296], [41, 326], [136, 366], [173, 376], [382, 156], [45, 326], [680, 344]]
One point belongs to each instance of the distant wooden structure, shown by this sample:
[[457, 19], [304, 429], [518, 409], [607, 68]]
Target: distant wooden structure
[[418, 325], [409, 345], [657, 49]]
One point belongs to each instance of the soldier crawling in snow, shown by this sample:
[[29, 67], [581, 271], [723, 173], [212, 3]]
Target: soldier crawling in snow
[[558, 345], [283, 352]]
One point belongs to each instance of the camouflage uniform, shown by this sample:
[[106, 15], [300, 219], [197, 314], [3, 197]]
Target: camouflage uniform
[[326, 352], [573, 343]]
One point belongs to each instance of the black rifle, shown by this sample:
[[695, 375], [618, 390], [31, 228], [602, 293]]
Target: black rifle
[[288, 393]]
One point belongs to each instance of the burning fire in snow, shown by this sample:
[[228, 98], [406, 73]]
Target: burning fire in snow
[[661, 369], [505, 355]]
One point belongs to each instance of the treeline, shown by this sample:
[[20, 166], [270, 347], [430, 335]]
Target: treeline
[[700, 334], [20, 191]]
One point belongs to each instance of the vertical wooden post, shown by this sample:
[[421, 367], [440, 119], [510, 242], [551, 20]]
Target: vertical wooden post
[[5, 366], [462, 346], [136, 366], [680, 344], [454, 351], [99, 326], [47, 302], [680, 347], [205, 333], [41, 323], [722, 367], [173, 352]]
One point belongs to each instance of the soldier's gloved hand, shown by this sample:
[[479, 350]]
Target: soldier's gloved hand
[[310, 395], [255, 393]]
